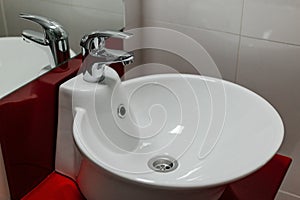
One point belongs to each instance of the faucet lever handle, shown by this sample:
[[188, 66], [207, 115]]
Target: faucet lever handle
[[113, 34], [100, 36], [53, 31], [106, 35]]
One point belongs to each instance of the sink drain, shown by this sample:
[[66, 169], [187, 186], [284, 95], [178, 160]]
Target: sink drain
[[121, 111], [163, 164]]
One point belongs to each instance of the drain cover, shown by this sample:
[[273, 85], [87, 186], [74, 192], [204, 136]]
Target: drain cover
[[121, 111], [163, 164]]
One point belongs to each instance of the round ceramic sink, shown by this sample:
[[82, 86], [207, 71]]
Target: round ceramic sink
[[171, 136]]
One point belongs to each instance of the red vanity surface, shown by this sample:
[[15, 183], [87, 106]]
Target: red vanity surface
[[262, 185], [28, 119], [55, 187]]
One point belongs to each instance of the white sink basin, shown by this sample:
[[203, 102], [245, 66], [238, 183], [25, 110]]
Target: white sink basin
[[216, 131]]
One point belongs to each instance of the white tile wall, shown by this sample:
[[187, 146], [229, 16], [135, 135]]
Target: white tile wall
[[263, 37], [109, 6], [276, 20], [221, 46], [210, 14], [272, 70], [209, 22], [76, 18], [90, 19]]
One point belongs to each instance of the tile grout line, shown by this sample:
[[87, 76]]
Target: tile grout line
[[80, 5], [275, 41], [194, 27], [290, 194], [227, 32], [239, 45]]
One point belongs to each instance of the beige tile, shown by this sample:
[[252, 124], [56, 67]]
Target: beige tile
[[133, 13], [272, 70], [222, 47], [156, 61], [210, 14], [97, 20], [115, 6], [276, 20], [286, 196]]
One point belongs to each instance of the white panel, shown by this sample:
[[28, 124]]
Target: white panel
[[222, 47], [276, 20], [210, 14], [272, 70], [2, 23]]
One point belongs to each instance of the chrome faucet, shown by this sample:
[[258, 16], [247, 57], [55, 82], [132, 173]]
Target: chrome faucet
[[54, 40], [95, 57]]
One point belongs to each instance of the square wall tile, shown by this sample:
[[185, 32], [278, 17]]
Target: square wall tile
[[272, 70], [77, 25], [276, 20], [209, 14], [222, 47], [157, 61]]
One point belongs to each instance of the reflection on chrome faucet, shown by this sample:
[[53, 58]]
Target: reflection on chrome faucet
[[54, 40], [96, 57]]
